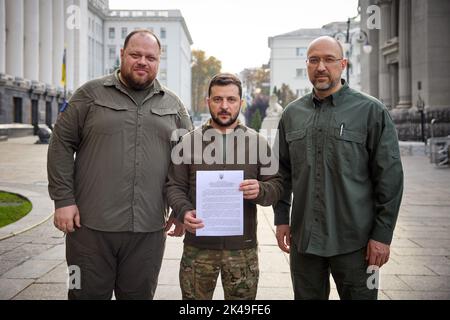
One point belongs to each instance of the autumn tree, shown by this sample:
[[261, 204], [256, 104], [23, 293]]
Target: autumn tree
[[203, 69], [285, 95]]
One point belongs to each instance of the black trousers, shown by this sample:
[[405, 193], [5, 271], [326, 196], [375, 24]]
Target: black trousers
[[310, 276], [125, 263]]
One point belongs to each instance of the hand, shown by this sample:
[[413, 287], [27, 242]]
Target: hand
[[250, 188], [377, 253], [283, 235], [191, 223], [66, 218], [178, 231]]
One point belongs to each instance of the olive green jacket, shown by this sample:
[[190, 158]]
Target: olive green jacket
[[110, 156], [340, 159], [181, 184]]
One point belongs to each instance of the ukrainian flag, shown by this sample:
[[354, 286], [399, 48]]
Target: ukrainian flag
[[63, 74]]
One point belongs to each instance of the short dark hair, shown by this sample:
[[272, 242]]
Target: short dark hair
[[147, 31], [224, 79]]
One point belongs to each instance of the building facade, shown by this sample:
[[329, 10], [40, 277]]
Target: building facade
[[288, 56], [34, 35], [409, 67]]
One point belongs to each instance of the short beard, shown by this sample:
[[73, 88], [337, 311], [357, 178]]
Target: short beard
[[224, 124], [325, 86], [132, 83]]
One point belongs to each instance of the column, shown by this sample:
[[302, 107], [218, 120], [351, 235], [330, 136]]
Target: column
[[81, 45], [58, 41], [31, 40], [385, 35], [2, 37], [46, 41], [404, 62], [69, 42], [14, 37]]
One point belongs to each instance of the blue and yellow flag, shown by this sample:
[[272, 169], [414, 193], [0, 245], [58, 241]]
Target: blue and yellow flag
[[63, 74]]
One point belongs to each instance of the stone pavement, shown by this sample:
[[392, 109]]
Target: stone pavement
[[32, 264]]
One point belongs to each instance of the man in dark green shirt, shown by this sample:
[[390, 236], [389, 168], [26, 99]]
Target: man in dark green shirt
[[339, 156], [110, 197]]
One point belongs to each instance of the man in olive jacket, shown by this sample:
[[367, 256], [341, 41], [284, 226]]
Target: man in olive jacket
[[235, 257], [109, 198], [339, 156]]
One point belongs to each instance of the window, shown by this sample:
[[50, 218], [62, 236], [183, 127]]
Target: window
[[163, 33], [300, 73], [112, 33], [124, 32], [163, 52], [301, 52], [112, 52]]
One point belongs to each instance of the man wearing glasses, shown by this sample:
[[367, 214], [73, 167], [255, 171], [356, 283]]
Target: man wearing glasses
[[339, 156]]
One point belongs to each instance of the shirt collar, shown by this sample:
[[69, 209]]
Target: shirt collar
[[207, 125], [112, 80], [333, 98]]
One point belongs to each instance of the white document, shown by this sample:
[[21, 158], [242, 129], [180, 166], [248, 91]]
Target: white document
[[220, 204]]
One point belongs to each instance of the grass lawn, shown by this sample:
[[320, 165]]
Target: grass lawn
[[12, 207]]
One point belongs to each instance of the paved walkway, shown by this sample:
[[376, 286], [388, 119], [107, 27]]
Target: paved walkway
[[32, 264]]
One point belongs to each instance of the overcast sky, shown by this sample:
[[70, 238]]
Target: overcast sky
[[236, 31]]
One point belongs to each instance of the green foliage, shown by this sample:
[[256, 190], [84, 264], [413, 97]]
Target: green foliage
[[256, 121], [285, 95], [12, 208]]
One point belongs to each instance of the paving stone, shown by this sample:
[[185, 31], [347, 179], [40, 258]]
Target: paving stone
[[419, 260], [8, 246], [275, 280], [440, 269], [391, 282], [31, 269], [274, 294], [405, 269], [41, 291], [418, 295], [433, 243], [167, 292], [25, 251], [57, 275], [403, 243], [427, 283], [10, 287], [421, 251], [6, 265], [58, 252]]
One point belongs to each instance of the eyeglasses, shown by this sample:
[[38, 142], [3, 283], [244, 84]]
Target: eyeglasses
[[327, 61]]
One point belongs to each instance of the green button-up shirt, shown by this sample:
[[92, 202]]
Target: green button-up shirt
[[340, 159], [122, 155]]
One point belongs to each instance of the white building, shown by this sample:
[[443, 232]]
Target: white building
[[34, 33], [288, 57]]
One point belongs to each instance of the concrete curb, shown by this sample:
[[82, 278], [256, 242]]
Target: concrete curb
[[42, 211]]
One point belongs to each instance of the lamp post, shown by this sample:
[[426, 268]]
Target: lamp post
[[421, 109], [361, 37]]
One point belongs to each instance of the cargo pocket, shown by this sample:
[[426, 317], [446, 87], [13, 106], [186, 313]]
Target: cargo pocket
[[108, 118], [348, 149], [298, 146]]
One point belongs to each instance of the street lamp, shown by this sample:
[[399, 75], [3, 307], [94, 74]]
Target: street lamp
[[421, 109], [361, 37]]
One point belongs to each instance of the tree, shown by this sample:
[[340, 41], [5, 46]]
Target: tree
[[257, 78], [285, 95], [256, 120], [202, 70]]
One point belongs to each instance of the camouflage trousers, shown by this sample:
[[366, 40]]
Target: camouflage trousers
[[200, 268]]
